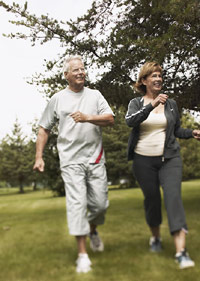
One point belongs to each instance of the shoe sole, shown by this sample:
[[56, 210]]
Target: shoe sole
[[155, 251], [84, 270], [101, 249], [185, 267]]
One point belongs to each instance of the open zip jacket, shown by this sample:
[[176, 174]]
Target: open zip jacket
[[137, 113]]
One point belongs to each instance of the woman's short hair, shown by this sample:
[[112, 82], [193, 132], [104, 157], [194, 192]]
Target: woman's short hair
[[147, 69], [67, 61]]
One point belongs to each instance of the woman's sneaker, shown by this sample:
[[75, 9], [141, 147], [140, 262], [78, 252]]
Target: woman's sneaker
[[96, 243], [184, 260], [155, 245], [83, 263]]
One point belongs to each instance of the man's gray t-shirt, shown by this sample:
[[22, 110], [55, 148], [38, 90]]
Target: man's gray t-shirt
[[77, 142]]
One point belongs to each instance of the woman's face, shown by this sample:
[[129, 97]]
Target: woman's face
[[153, 82]]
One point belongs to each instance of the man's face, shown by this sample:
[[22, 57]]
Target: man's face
[[76, 74]]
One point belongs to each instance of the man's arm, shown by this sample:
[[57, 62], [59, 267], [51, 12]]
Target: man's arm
[[102, 120], [42, 138]]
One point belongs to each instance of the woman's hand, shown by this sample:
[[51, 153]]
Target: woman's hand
[[161, 98], [196, 134]]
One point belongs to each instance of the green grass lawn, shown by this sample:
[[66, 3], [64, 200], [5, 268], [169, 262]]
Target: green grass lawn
[[35, 245]]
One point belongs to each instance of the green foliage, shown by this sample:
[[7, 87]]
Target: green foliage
[[116, 37], [3, 184], [115, 140], [16, 159], [52, 176], [190, 150]]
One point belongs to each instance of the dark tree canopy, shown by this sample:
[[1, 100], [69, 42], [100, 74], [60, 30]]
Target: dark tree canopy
[[116, 37]]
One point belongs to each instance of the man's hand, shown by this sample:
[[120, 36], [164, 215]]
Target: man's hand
[[39, 165], [102, 120], [79, 117], [40, 144]]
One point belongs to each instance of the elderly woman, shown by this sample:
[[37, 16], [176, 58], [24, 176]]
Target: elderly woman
[[156, 157]]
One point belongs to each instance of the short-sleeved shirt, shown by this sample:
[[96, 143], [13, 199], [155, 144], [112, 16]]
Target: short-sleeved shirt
[[77, 143]]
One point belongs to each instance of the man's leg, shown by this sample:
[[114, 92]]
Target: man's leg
[[76, 200], [81, 243], [93, 228], [97, 197], [83, 262]]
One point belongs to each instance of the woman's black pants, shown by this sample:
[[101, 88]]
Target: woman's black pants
[[151, 173]]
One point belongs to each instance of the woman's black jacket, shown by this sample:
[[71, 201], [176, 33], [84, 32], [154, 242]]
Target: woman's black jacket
[[137, 113]]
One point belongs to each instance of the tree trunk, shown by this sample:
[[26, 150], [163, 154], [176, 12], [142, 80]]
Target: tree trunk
[[21, 188], [35, 185]]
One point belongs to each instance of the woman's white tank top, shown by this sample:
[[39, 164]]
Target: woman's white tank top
[[152, 135]]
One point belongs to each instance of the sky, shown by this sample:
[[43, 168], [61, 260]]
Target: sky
[[19, 61]]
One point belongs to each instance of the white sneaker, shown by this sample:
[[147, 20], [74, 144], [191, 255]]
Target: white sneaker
[[184, 260], [83, 263], [96, 243]]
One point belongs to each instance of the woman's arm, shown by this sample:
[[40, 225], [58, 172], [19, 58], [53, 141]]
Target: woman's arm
[[137, 113], [179, 132]]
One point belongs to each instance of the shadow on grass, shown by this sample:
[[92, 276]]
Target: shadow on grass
[[28, 192]]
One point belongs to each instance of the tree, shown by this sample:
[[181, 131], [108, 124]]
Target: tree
[[16, 159], [117, 37], [190, 150], [51, 176], [115, 140]]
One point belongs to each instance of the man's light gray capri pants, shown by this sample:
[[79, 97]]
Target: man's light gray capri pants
[[86, 196]]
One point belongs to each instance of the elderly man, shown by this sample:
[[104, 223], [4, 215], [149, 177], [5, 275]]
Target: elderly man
[[79, 113]]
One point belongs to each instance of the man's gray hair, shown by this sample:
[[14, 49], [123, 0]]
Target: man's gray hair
[[67, 60]]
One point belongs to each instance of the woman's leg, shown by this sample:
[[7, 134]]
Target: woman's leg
[[179, 240], [170, 179], [145, 170]]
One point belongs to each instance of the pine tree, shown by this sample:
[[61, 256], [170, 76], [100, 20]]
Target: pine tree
[[16, 159]]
